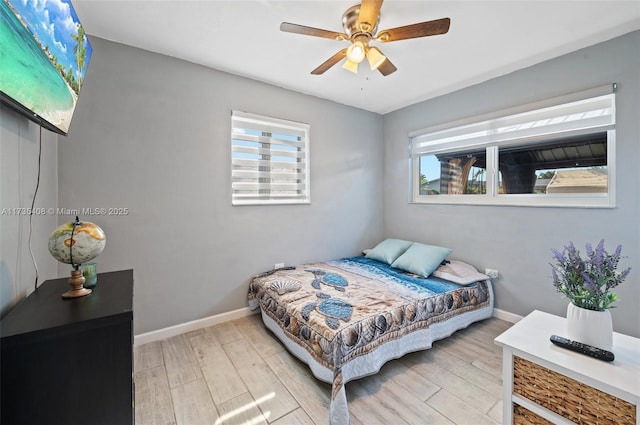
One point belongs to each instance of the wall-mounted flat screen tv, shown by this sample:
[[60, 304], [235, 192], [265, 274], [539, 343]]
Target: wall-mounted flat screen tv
[[44, 56]]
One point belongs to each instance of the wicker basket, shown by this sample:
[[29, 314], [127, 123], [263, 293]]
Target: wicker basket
[[522, 416], [569, 398]]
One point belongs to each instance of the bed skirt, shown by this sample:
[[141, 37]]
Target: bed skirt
[[370, 363]]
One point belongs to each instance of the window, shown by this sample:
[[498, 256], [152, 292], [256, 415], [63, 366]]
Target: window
[[269, 160], [555, 153]]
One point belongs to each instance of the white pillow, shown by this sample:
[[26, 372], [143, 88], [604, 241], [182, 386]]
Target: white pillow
[[459, 272]]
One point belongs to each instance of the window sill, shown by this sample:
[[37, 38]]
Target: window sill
[[601, 201]]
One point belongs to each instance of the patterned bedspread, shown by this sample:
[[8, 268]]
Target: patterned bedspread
[[343, 309]]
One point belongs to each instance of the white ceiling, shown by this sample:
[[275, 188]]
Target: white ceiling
[[486, 39]]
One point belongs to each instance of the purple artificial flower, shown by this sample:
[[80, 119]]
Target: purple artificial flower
[[589, 249], [559, 256], [624, 274], [600, 252], [587, 282]]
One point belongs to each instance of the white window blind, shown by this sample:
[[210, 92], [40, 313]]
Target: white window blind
[[490, 159], [269, 160], [584, 115]]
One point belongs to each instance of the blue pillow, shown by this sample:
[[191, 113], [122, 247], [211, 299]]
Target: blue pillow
[[421, 259], [388, 250]]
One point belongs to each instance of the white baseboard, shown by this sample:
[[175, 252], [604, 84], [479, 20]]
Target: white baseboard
[[164, 333], [505, 315]]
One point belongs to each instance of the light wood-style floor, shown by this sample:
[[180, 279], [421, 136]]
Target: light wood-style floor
[[238, 373]]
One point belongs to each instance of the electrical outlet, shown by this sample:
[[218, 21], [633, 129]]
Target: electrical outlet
[[492, 273], [278, 266]]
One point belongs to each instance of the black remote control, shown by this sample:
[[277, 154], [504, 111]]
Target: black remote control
[[581, 348]]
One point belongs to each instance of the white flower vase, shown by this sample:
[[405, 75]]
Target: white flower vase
[[590, 327]]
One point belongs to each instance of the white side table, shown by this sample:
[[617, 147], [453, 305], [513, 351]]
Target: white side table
[[544, 384]]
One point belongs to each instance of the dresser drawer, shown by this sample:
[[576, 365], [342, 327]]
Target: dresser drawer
[[522, 416], [567, 397]]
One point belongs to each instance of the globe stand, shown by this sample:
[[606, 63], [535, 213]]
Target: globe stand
[[76, 281]]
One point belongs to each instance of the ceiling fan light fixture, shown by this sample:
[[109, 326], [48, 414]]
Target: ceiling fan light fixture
[[375, 57], [350, 66], [383, 37], [356, 52], [360, 23]]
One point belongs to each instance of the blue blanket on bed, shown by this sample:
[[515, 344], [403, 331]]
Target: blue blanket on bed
[[383, 271]]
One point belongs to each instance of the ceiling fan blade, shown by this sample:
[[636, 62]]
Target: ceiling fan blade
[[330, 62], [422, 29], [387, 68], [369, 12], [315, 32]]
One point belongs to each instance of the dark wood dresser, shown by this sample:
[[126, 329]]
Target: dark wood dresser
[[70, 361]]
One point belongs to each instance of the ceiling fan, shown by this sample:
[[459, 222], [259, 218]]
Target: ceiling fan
[[360, 23]]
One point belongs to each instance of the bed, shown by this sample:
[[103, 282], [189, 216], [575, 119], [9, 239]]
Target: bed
[[346, 318]]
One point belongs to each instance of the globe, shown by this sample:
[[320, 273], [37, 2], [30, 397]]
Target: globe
[[77, 242]]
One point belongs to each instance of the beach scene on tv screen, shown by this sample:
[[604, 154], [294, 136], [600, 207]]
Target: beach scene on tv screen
[[45, 55]]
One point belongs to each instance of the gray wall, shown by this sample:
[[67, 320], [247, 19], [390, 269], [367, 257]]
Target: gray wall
[[19, 147], [517, 240], [152, 134]]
